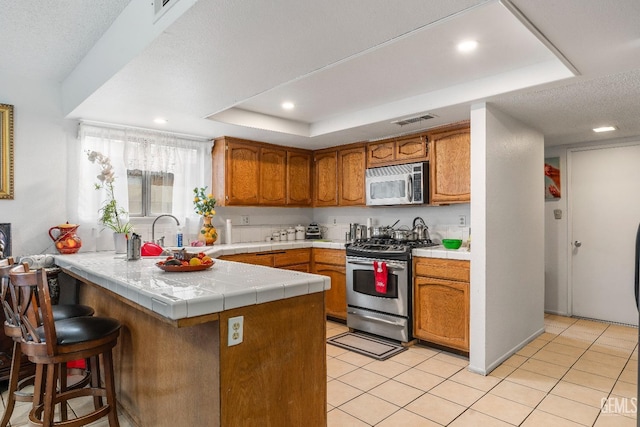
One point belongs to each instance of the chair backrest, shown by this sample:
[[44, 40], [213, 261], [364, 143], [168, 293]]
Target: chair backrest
[[32, 305], [10, 319]]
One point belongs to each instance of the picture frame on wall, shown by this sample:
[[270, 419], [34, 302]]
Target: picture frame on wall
[[6, 151], [552, 185]]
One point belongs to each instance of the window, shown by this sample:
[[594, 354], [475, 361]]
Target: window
[[150, 193], [155, 172]]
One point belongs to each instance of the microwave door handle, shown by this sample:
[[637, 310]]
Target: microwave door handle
[[410, 188]]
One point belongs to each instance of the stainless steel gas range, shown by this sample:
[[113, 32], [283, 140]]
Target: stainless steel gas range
[[379, 288]]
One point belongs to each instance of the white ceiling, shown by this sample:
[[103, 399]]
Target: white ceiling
[[351, 67]]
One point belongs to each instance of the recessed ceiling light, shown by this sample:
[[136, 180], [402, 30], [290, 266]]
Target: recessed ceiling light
[[467, 45], [288, 105], [160, 121], [604, 129]]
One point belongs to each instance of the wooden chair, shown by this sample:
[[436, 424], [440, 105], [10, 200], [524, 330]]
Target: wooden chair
[[12, 330], [51, 344]]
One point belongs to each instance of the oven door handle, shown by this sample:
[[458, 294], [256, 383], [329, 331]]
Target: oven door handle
[[375, 319], [370, 263]]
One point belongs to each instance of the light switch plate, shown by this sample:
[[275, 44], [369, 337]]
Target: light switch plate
[[236, 330], [557, 213]]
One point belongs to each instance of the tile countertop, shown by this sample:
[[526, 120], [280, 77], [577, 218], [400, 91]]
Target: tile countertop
[[242, 248], [224, 286]]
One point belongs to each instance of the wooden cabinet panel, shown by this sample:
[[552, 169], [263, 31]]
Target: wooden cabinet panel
[[251, 173], [305, 268], [291, 257], [326, 179], [273, 170], [380, 153], [329, 256], [442, 268], [412, 148], [451, 166], [242, 173], [332, 263], [299, 178], [351, 171], [441, 302], [336, 297], [406, 149], [441, 312], [259, 258]]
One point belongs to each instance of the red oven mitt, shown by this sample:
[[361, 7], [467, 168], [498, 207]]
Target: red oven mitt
[[380, 272]]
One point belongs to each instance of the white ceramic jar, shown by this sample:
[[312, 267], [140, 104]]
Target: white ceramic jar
[[291, 234], [300, 231]]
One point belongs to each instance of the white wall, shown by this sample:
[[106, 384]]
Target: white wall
[[507, 260], [40, 163]]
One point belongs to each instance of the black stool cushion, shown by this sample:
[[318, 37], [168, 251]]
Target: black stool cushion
[[66, 311], [81, 329]]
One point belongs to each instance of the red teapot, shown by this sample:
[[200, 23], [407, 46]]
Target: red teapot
[[66, 239]]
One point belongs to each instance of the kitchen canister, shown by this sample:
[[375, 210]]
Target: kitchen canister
[[283, 235], [300, 230], [275, 236], [291, 234]]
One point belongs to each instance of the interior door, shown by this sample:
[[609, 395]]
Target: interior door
[[605, 212]]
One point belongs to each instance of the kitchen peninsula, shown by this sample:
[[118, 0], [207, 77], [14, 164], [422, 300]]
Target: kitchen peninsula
[[173, 362]]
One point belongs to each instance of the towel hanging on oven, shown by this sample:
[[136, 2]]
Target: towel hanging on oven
[[380, 273]]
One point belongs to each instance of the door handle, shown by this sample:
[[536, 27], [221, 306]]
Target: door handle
[[577, 243]]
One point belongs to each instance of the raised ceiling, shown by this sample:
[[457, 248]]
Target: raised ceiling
[[351, 67]]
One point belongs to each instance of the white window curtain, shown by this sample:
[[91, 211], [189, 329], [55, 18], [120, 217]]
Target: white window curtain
[[129, 148]]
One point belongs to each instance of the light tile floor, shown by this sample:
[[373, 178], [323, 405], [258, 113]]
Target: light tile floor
[[561, 378]]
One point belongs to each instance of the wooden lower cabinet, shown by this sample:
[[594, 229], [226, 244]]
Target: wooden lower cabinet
[[441, 302], [292, 259], [332, 263]]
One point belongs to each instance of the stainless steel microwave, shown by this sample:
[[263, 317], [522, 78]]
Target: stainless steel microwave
[[406, 184]]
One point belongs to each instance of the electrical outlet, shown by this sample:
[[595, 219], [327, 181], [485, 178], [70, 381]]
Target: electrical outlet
[[462, 220], [244, 220], [236, 329]]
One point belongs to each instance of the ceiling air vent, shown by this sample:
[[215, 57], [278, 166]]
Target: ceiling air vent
[[416, 119], [161, 6]]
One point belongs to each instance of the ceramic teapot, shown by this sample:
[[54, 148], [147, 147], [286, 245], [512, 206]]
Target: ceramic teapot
[[66, 239]]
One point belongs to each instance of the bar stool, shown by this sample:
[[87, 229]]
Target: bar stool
[[12, 330], [51, 343]]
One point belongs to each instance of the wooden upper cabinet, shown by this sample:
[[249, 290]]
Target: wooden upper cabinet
[[406, 149], [251, 173], [299, 178], [273, 176], [325, 178], [450, 167], [380, 153], [242, 173], [351, 172], [339, 176]]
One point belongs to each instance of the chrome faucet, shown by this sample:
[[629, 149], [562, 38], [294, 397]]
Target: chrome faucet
[[153, 229]]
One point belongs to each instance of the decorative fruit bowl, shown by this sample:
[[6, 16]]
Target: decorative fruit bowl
[[451, 243], [181, 268], [184, 261]]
